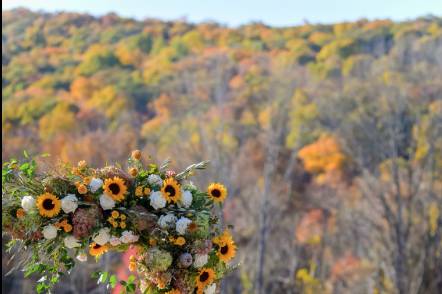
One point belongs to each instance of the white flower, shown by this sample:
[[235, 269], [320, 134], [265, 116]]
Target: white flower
[[115, 241], [28, 203], [50, 232], [182, 224], [167, 221], [69, 203], [95, 184], [129, 237], [155, 180], [71, 242], [186, 198], [200, 260], [106, 202], [102, 237], [211, 289], [157, 200], [82, 257]]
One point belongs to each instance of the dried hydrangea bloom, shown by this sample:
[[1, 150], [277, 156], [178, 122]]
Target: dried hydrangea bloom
[[84, 220]]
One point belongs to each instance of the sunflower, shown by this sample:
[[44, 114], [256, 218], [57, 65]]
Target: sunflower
[[48, 205], [217, 192], [96, 249], [115, 214], [115, 188], [171, 190], [205, 277], [226, 246]]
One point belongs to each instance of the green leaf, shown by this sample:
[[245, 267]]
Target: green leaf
[[103, 277], [113, 281]]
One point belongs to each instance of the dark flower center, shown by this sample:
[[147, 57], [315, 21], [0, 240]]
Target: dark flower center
[[216, 193], [224, 249], [115, 188], [48, 204], [204, 276], [170, 190], [97, 246]]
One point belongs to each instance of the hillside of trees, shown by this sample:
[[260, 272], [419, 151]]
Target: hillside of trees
[[329, 137]]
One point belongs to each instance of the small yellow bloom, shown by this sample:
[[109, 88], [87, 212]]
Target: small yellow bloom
[[136, 154], [123, 225], [139, 191], [87, 180], [132, 266], [123, 217], [114, 224], [115, 214], [82, 189], [180, 241], [82, 164], [152, 242], [146, 191], [133, 171]]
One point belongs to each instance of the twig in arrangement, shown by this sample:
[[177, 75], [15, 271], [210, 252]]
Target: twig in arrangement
[[189, 170]]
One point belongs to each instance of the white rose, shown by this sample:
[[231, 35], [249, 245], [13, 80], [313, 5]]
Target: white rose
[[157, 200], [182, 224], [69, 203], [155, 180], [102, 237], [211, 289], [186, 198], [95, 184], [106, 202], [28, 203], [82, 257], [167, 221], [128, 237], [200, 260], [115, 241], [71, 242], [50, 232]]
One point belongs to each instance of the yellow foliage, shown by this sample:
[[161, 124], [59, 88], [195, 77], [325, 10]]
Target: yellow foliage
[[107, 101], [433, 213]]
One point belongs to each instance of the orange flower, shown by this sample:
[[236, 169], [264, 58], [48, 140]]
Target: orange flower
[[146, 191], [20, 213], [82, 189], [136, 154], [133, 171], [87, 180]]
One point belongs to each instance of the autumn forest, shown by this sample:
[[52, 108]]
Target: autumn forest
[[328, 136]]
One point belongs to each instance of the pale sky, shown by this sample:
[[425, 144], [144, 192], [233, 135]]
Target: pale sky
[[237, 12]]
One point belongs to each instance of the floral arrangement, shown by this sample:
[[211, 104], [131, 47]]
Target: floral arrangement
[[81, 211]]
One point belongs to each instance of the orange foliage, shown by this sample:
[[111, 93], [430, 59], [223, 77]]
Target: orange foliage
[[323, 157], [310, 228], [346, 267]]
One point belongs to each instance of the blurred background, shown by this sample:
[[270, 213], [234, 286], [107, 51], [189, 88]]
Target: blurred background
[[323, 119]]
